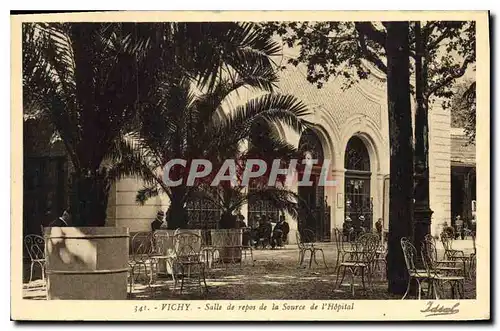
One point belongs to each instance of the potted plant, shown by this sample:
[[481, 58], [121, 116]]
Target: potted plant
[[227, 239]]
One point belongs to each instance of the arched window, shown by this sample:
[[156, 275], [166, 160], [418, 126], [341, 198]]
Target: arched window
[[314, 213], [358, 201], [356, 155], [311, 145]]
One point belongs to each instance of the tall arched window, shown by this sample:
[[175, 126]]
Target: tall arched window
[[358, 202], [314, 213]]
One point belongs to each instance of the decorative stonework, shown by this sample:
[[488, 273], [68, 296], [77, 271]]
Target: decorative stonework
[[361, 99]]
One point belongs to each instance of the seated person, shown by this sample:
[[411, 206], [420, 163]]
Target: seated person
[[286, 229], [254, 230], [347, 227], [448, 231], [277, 236], [362, 225], [240, 221], [265, 231], [378, 227], [158, 221]]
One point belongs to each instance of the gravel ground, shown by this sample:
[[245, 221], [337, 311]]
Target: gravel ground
[[275, 275]]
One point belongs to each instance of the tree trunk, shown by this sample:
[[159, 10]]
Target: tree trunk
[[89, 199], [401, 152], [177, 217]]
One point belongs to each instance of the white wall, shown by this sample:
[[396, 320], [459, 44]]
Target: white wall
[[439, 166], [124, 211]]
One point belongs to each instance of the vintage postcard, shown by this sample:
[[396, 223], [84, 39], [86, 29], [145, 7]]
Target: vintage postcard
[[224, 166]]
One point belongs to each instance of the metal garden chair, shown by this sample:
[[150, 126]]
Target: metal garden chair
[[445, 266], [188, 247], [419, 275], [343, 244], [247, 244], [361, 260], [35, 246], [380, 263], [441, 275], [454, 254], [142, 249], [163, 251], [306, 243]]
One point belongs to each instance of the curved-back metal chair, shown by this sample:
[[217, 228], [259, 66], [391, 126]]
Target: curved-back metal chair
[[433, 262], [454, 254], [343, 243], [419, 275], [188, 247], [141, 247], [35, 246], [306, 243], [362, 259], [247, 243], [381, 258], [163, 251], [440, 275], [337, 237]]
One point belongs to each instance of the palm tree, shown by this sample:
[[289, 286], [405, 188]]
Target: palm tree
[[182, 123], [93, 81], [264, 144]]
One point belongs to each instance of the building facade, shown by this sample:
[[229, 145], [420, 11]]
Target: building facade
[[351, 130], [463, 177]]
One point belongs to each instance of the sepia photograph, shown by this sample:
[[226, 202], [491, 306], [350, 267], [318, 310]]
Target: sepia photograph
[[233, 167]]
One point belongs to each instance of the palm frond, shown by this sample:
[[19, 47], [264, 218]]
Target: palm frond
[[265, 142], [128, 158], [59, 53], [224, 43], [272, 107], [146, 193]]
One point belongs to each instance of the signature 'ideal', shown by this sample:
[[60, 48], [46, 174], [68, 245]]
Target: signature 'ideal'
[[438, 309]]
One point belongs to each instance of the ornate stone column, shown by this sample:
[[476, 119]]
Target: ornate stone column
[[422, 211]]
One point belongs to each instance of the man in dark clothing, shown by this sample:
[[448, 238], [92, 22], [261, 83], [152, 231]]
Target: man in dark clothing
[[378, 227], [459, 228], [254, 230], [158, 221], [347, 228], [240, 221], [265, 231], [285, 227], [279, 232], [277, 236], [362, 224]]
